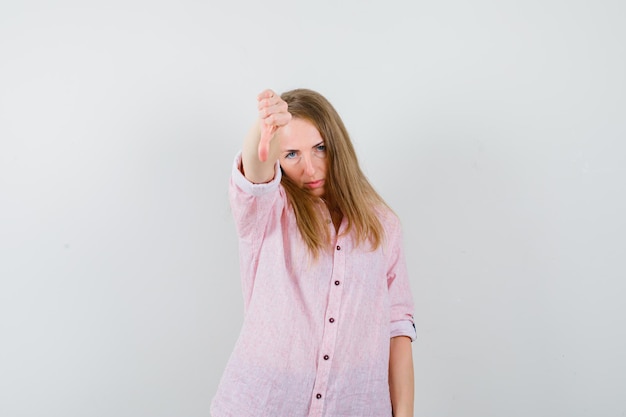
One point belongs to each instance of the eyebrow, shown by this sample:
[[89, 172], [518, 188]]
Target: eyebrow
[[296, 150]]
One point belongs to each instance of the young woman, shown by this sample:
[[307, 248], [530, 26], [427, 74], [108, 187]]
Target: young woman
[[328, 310]]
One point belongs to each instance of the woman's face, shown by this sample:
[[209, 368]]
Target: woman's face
[[303, 155]]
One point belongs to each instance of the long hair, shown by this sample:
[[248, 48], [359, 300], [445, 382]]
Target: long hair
[[346, 187]]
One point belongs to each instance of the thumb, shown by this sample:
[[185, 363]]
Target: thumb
[[267, 132]]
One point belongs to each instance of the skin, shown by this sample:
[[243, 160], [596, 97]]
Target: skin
[[261, 146], [298, 146], [401, 379], [303, 155]]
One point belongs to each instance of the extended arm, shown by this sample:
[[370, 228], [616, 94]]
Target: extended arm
[[260, 151], [401, 376]]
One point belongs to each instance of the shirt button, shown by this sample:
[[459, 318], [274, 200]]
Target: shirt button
[[332, 320], [318, 396], [326, 357], [337, 283], [338, 247]]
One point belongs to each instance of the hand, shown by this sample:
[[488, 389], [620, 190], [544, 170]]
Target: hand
[[273, 114]]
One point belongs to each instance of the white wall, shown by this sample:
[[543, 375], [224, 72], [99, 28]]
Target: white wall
[[496, 129]]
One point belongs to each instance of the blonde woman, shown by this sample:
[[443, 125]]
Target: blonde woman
[[328, 318]]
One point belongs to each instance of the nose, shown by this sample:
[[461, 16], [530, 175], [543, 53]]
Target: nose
[[309, 168]]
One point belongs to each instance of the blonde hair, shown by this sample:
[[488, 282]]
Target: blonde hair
[[346, 187]]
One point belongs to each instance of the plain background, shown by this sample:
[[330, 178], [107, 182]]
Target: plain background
[[495, 129]]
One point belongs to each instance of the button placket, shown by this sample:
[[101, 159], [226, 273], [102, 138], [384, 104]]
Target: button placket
[[331, 327]]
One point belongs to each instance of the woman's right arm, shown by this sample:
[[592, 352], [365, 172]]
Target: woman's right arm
[[261, 147]]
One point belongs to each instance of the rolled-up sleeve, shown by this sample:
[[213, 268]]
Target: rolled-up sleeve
[[251, 203], [401, 298], [256, 208], [250, 188]]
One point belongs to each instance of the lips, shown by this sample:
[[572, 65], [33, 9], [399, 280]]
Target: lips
[[314, 184]]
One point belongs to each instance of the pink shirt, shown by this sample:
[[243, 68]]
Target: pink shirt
[[315, 337]]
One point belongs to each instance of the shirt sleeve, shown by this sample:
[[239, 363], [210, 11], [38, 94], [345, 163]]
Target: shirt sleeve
[[253, 204], [401, 317]]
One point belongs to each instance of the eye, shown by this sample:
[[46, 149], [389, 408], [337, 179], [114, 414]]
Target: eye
[[321, 148], [290, 155]]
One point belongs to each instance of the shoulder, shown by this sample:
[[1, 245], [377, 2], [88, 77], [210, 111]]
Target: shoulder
[[389, 220]]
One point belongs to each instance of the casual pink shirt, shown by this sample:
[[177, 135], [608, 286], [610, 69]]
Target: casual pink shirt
[[315, 337]]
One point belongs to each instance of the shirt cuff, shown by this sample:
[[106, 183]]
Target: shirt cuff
[[403, 328], [251, 188]]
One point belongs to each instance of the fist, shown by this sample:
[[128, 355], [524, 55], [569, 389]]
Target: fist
[[273, 114]]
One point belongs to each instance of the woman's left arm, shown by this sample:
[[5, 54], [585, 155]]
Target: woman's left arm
[[401, 376]]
